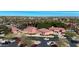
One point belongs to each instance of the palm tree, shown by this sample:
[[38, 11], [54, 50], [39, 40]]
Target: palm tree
[[25, 41]]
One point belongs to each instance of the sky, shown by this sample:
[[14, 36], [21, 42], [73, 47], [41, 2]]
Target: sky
[[39, 13]]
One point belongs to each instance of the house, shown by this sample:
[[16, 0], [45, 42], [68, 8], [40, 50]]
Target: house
[[57, 30], [15, 30], [71, 24], [44, 31], [30, 30]]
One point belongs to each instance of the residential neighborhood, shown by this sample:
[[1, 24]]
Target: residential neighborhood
[[27, 31]]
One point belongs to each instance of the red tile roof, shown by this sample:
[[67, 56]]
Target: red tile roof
[[15, 29], [30, 30]]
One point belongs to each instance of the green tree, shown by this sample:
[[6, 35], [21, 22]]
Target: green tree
[[4, 29], [71, 34]]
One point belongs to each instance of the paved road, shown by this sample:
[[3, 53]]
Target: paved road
[[9, 45]]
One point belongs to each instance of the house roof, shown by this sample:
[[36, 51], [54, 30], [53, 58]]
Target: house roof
[[30, 29], [57, 29], [43, 30]]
